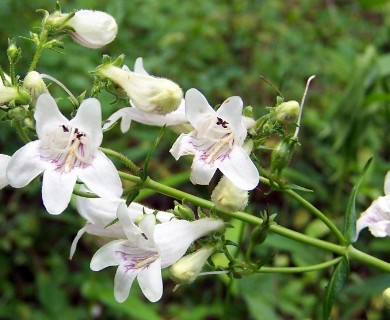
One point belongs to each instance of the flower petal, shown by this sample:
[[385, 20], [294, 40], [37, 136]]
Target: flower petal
[[47, 115], [387, 184], [196, 107], [107, 255], [124, 114], [239, 169], [25, 165], [57, 190], [139, 66], [130, 229], [101, 177], [150, 281], [123, 282], [174, 237], [201, 172], [4, 160], [183, 145], [76, 241], [89, 120]]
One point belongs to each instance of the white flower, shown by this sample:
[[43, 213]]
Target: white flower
[[377, 216], [4, 159], [34, 84], [176, 117], [92, 29], [148, 93], [64, 152], [100, 213], [216, 142], [228, 197], [147, 249]]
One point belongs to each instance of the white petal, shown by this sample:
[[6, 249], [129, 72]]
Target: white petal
[[76, 241], [380, 229], [387, 184], [147, 226], [101, 177], [139, 66], [124, 114], [239, 169], [4, 160], [106, 256], [196, 107], [130, 229], [47, 115], [25, 165], [123, 282], [174, 237], [150, 281], [89, 120], [57, 190], [201, 172], [183, 145], [162, 216]]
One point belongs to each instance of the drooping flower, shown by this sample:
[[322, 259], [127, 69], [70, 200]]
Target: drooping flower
[[147, 249], [377, 216], [100, 214], [66, 150], [4, 159], [176, 117], [148, 93], [92, 29], [216, 142], [34, 84]]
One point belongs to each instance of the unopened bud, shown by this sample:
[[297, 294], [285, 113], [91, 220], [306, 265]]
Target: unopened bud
[[14, 53], [188, 268], [8, 94], [17, 113], [282, 154], [92, 29], [148, 93], [184, 212], [386, 297], [34, 84], [227, 196], [287, 112]]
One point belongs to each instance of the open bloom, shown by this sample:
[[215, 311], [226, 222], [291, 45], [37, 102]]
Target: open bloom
[[66, 150], [92, 29], [128, 114], [147, 249], [216, 142], [148, 93], [377, 216]]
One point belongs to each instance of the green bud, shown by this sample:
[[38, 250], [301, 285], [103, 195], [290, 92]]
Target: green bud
[[13, 52], [282, 154], [287, 112], [183, 211], [17, 113], [260, 233]]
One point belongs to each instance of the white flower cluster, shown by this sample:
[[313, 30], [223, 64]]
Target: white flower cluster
[[67, 151]]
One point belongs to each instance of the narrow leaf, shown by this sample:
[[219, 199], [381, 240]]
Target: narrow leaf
[[144, 173], [335, 285], [350, 215]]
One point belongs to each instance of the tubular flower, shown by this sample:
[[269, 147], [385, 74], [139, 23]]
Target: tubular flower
[[148, 93], [92, 29], [128, 114], [377, 216], [147, 249], [66, 150], [216, 142]]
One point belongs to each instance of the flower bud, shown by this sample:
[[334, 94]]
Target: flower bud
[[8, 94], [184, 212], [148, 93], [14, 53], [92, 29], [287, 112], [188, 268], [17, 113], [34, 84], [227, 196], [386, 297], [282, 154]]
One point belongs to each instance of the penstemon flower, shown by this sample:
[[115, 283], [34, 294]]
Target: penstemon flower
[[92, 29], [147, 249], [216, 142], [66, 150], [377, 216], [176, 117], [4, 159]]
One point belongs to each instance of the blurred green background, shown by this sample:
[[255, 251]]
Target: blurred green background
[[221, 48]]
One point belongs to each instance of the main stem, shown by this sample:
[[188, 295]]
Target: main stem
[[40, 46], [350, 251]]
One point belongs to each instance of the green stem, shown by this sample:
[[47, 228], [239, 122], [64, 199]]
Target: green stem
[[126, 161], [312, 209], [12, 73], [84, 194], [20, 131], [38, 52], [243, 216], [314, 267]]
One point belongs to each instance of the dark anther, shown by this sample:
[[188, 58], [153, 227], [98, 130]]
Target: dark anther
[[143, 234], [65, 128], [222, 122]]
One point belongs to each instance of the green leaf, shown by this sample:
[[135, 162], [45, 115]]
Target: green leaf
[[335, 285], [350, 215]]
